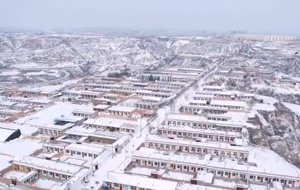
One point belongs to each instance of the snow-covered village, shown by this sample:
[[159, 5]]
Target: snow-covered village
[[149, 113], [149, 95]]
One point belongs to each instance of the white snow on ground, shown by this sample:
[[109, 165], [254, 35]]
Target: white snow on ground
[[45, 183], [19, 147], [47, 115], [293, 107], [268, 159]]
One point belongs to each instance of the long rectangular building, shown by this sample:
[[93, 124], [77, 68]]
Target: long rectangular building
[[199, 134], [224, 168], [215, 149], [196, 121]]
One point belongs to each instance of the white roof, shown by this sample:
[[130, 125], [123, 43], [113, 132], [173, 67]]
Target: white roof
[[198, 102], [182, 142], [85, 148], [7, 103], [141, 182], [69, 118], [196, 130], [111, 95], [213, 87], [122, 108], [79, 130], [152, 98], [101, 106], [205, 177], [187, 186], [41, 101], [19, 98], [202, 119], [204, 95], [228, 164], [144, 91], [85, 111], [48, 165], [5, 133], [229, 103], [57, 127], [111, 122]]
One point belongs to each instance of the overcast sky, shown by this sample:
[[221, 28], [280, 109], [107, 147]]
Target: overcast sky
[[257, 16]]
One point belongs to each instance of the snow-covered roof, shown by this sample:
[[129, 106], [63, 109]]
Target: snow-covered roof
[[200, 118], [110, 122], [187, 129], [5, 133], [121, 108], [152, 98], [19, 98], [7, 103], [214, 87], [40, 100], [182, 142], [81, 131], [101, 106], [229, 103], [48, 165], [68, 118], [144, 91], [229, 164], [85, 148], [205, 177], [111, 95], [84, 111], [56, 127], [139, 181]]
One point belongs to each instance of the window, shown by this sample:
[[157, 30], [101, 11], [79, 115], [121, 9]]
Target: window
[[116, 185]]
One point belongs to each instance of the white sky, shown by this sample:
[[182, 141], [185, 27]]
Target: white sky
[[259, 16]]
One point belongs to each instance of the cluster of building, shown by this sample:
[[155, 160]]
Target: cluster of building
[[201, 147], [238, 69], [107, 113]]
